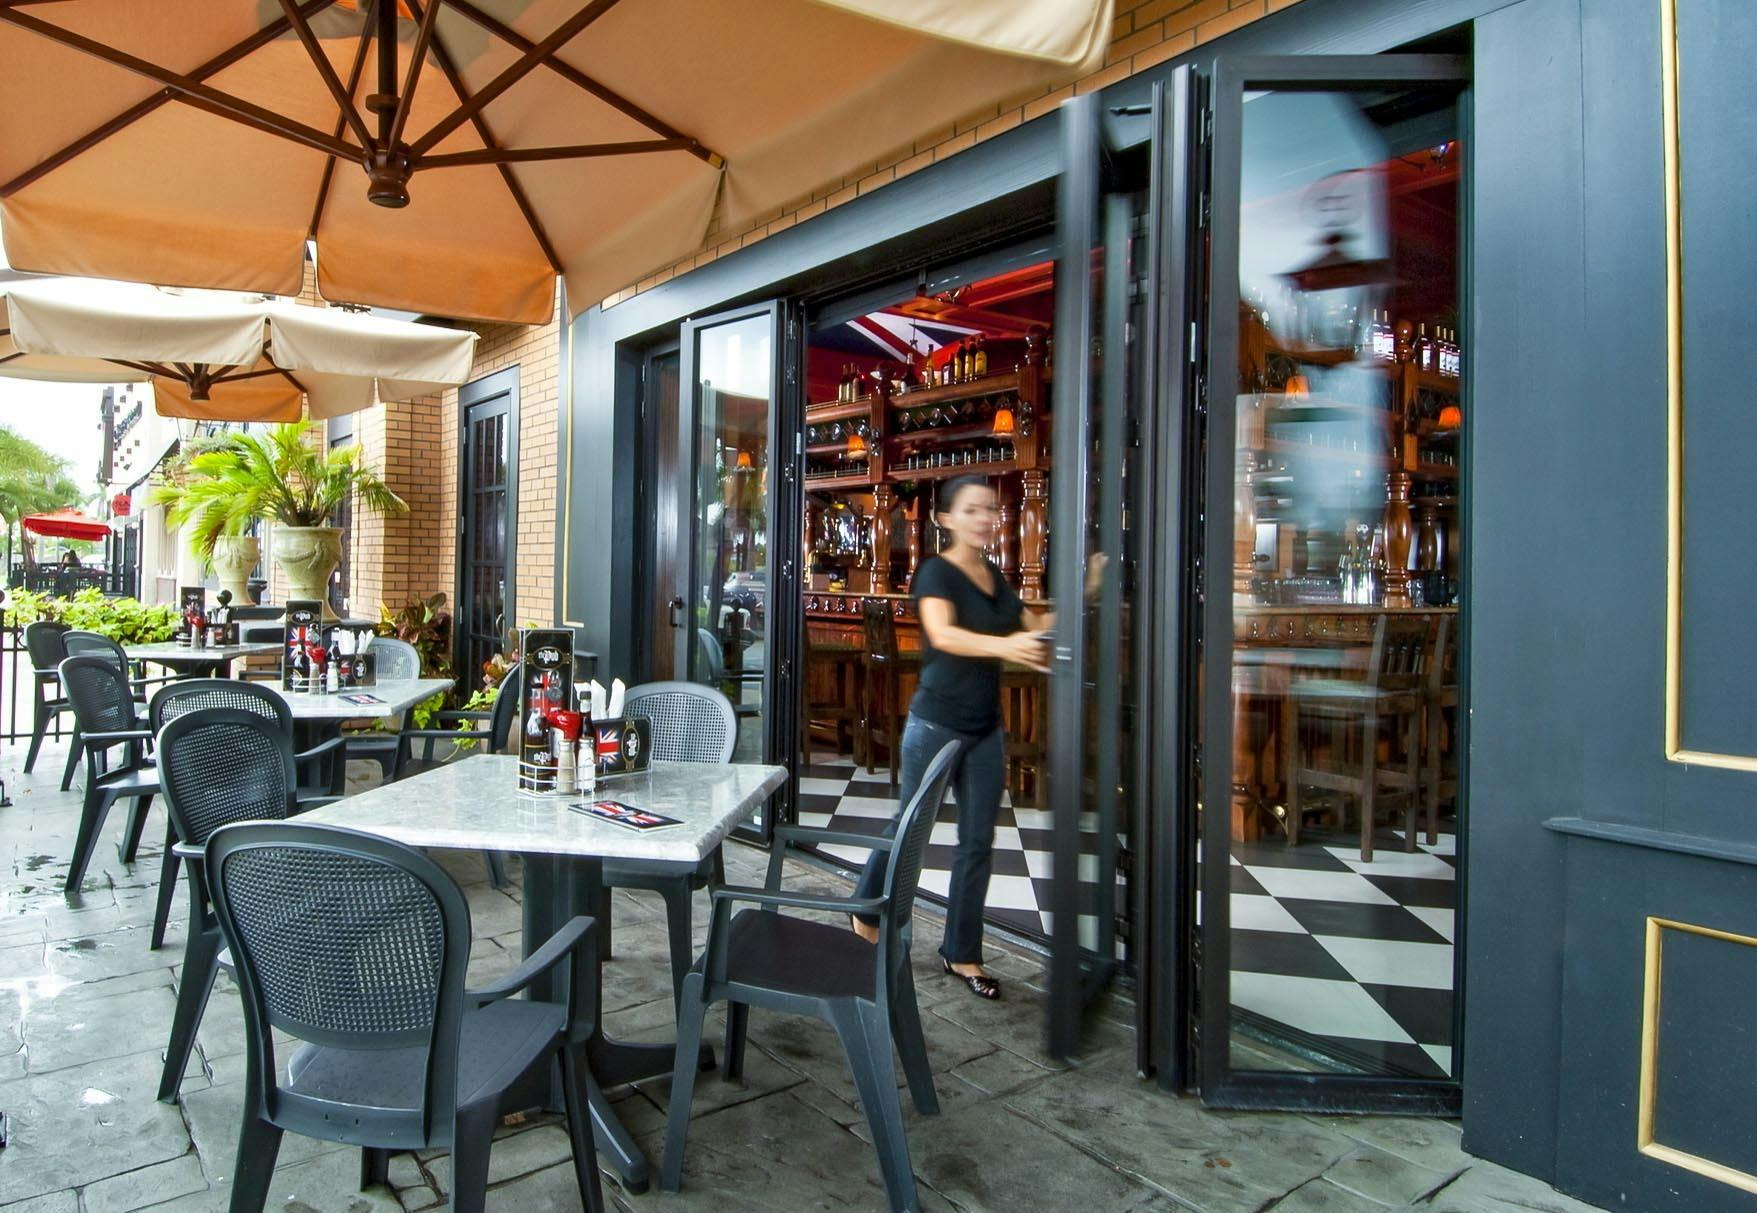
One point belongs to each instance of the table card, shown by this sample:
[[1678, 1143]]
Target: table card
[[547, 688], [303, 630], [191, 612]]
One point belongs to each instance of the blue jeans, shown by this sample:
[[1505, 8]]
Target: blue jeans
[[978, 778]]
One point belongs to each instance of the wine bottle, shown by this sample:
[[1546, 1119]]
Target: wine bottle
[[980, 369]]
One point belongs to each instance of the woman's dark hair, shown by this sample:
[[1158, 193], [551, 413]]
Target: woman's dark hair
[[947, 496]]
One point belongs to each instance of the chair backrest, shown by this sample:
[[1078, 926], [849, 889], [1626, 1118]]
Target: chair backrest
[[1402, 649], [690, 722], [176, 699], [95, 644], [713, 656], [397, 659], [348, 941], [913, 829], [1443, 670], [242, 613], [98, 689], [218, 765], [46, 642], [42, 579], [881, 630], [506, 710]]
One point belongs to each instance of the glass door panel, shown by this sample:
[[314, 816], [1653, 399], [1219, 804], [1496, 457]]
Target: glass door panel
[[1331, 573]]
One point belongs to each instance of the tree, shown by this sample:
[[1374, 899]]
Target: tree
[[32, 481]]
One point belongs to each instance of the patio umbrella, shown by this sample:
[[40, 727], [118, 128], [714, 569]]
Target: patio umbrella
[[452, 156], [66, 524], [220, 356]]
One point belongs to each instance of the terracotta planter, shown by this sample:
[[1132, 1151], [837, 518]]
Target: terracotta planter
[[308, 555], [234, 557]]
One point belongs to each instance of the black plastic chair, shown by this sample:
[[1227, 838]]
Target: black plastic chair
[[690, 723], [357, 946], [764, 958], [395, 661], [96, 644], [218, 765], [494, 729], [45, 642], [319, 767], [108, 716]]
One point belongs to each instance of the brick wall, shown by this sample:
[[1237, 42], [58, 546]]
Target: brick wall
[[1146, 32]]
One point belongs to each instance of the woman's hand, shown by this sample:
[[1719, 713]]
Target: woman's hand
[[1026, 649]]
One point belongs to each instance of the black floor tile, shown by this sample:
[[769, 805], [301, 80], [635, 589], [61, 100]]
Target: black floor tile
[[1416, 891], [1424, 1014], [1388, 1057], [1361, 921], [1285, 953], [1244, 882], [1310, 853]]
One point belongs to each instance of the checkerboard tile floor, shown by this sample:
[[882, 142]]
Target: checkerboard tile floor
[[1355, 957]]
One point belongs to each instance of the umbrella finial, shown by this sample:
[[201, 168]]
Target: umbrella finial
[[387, 176]]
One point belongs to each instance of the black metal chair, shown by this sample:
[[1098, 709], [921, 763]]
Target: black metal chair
[[763, 958], [357, 946], [690, 723], [320, 776], [108, 715], [494, 729], [45, 642], [218, 765]]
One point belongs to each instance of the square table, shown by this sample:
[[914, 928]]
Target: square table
[[474, 804], [193, 661], [332, 707]]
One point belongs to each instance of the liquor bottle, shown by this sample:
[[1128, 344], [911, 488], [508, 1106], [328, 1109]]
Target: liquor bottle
[[1384, 340], [980, 368], [1424, 349]]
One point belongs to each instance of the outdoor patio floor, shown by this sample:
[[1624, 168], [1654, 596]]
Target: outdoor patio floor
[[86, 1010]]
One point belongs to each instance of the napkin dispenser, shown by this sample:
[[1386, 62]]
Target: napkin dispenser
[[622, 745], [546, 687]]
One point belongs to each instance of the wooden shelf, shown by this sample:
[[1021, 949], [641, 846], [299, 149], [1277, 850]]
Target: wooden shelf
[[831, 484], [829, 448], [992, 468], [837, 410], [1376, 460], [1434, 471], [948, 433], [988, 385]]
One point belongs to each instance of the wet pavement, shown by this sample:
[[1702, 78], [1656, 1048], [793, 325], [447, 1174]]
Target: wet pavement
[[85, 1009]]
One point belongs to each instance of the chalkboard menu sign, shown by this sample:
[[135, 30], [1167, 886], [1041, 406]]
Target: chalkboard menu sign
[[303, 631]]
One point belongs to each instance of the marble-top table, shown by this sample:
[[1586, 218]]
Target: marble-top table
[[195, 661], [394, 698], [474, 804]]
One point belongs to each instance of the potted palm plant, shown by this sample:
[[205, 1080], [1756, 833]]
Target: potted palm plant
[[226, 486]]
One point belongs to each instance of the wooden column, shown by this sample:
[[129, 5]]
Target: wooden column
[[1007, 542], [883, 499], [1397, 538], [1033, 534], [913, 514], [1427, 543]]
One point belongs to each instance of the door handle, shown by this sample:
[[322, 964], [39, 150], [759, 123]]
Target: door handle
[[674, 607]]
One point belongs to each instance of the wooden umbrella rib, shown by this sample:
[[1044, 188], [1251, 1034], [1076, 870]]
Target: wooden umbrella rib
[[344, 98], [147, 105], [443, 58], [576, 77], [406, 101], [577, 151], [517, 71], [288, 376], [273, 370], [189, 92], [329, 164]]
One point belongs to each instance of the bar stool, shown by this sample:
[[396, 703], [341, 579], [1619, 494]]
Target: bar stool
[[838, 667], [883, 666], [1392, 693], [1442, 696], [1024, 708]]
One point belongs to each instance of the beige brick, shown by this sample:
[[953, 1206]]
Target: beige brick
[[1123, 48], [1170, 48], [956, 144], [1230, 20], [1103, 78], [1047, 104], [995, 126]]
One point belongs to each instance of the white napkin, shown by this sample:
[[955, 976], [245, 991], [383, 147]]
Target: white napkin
[[599, 699], [617, 690]]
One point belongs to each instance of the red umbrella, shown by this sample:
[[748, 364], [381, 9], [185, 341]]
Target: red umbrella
[[66, 524]]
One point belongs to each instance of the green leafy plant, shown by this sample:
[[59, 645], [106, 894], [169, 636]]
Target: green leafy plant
[[124, 620], [426, 624], [221, 488]]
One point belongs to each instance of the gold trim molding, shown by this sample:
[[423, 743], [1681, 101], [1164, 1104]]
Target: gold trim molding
[[1674, 274], [1650, 983]]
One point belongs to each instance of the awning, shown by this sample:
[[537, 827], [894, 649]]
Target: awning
[[202, 142], [66, 524], [219, 356]]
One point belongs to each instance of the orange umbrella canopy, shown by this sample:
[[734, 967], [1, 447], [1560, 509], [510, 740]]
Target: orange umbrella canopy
[[453, 156], [66, 524]]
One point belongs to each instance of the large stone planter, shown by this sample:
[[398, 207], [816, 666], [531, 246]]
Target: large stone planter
[[234, 558], [308, 555]]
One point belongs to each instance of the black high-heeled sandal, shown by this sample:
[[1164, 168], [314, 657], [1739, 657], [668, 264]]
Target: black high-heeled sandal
[[980, 984]]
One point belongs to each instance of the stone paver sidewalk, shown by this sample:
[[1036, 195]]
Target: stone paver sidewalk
[[85, 1010]]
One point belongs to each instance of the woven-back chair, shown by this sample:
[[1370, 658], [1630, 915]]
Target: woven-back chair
[[45, 642], [108, 716]]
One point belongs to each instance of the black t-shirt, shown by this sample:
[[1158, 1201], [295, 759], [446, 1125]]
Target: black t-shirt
[[964, 693]]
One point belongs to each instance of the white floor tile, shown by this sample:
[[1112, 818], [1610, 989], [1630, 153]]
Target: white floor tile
[[1437, 917], [861, 806], [1442, 1055], [1385, 962], [1396, 863], [1314, 1004], [1255, 912], [822, 787], [1319, 886], [1008, 892]]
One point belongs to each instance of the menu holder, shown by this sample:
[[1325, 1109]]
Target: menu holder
[[622, 746], [546, 687], [191, 603], [628, 816], [302, 628]]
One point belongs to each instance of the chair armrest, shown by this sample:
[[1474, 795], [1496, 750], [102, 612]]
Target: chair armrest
[[839, 838], [447, 734], [460, 714], [568, 939], [119, 735], [799, 901], [314, 800], [188, 852], [318, 750]]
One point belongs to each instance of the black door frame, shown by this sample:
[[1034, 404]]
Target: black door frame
[[1220, 1085], [480, 391], [648, 495]]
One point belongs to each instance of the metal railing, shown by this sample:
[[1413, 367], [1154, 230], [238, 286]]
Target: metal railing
[[17, 692]]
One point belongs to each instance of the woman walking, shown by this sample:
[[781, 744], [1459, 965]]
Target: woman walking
[[972, 621]]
